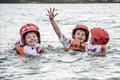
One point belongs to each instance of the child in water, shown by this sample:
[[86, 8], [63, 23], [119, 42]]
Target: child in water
[[30, 40], [80, 34], [98, 41]]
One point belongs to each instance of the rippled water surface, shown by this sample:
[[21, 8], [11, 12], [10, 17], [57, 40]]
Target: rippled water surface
[[56, 64]]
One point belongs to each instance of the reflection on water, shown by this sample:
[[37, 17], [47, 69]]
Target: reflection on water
[[57, 64]]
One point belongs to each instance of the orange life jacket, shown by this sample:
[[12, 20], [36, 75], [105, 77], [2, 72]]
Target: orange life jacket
[[20, 49], [77, 45]]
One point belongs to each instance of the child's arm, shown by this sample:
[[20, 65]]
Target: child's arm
[[51, 15], [42, 50], [104, 50]]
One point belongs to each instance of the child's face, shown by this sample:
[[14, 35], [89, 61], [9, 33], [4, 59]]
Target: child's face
[[80, 34], [31, 38]]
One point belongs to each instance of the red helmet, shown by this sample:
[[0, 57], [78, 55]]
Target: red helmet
[[29, 28], [101, 36], [82, 27]]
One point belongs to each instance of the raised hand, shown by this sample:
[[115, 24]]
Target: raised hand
[[51, 13]]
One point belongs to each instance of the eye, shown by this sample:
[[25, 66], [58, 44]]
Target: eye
[[34, 36], [28, 37], [78, 33], [83, 34]]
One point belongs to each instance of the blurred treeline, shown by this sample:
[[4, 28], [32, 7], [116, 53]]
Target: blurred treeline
[[59, 1]]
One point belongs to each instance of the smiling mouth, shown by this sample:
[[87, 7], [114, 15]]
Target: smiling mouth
[[80, 38], [32, 41]]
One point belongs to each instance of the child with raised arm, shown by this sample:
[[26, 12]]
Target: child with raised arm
[[80, 34]]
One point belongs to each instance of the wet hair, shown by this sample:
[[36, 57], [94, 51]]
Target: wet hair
[[86, 34], [36, 32]]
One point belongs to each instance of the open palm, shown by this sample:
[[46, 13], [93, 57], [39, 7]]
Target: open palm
[[51, 13]]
